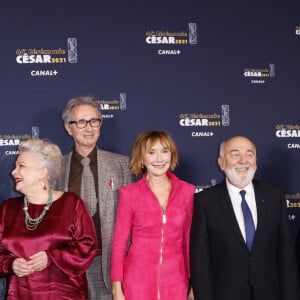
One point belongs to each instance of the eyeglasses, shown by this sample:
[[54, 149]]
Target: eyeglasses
[[83, 123]]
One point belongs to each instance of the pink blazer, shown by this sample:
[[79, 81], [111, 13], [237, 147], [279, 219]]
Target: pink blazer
[[157, 260]]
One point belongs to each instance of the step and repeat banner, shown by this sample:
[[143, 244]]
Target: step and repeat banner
[[203, 71]]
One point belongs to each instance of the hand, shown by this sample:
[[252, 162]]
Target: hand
[[117, 291], [191, 295], [21, 268], [38, 261]]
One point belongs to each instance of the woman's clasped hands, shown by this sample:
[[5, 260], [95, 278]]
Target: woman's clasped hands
[[36, 263]]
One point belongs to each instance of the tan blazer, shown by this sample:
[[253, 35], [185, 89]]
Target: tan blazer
[[113, 172]]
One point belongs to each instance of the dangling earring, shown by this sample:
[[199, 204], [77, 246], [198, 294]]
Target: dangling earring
[[143, 168], [43, 185]]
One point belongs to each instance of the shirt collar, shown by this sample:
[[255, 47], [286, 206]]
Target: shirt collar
[[92, 156], [248, 188]]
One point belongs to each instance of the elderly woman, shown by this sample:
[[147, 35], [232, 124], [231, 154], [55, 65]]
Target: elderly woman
[[155, 214], [47, 237]]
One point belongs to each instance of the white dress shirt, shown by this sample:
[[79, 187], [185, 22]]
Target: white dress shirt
[[236, 201]]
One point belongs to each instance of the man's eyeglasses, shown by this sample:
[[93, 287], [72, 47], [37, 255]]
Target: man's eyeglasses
[[83, 123]]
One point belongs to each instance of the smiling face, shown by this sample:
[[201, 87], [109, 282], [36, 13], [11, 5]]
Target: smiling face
[[157, 159], [238, 161], [85, 138], [28, 175]]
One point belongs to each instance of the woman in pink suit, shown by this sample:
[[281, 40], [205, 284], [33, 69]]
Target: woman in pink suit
[[150, 252]]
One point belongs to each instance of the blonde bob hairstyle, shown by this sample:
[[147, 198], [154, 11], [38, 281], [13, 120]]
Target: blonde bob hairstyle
[[143, 144]]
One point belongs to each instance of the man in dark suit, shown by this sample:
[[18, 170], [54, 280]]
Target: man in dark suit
[[240, 253], [82, 118]]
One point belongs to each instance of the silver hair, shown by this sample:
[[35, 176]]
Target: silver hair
[[221, 149], [49, 156], [87, 100]]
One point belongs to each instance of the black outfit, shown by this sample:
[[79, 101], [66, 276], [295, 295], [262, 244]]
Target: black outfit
[[222, 268]]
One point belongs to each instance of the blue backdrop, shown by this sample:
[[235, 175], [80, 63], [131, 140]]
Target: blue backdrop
[[202, 70]]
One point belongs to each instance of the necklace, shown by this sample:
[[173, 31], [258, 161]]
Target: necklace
[[30, 223]]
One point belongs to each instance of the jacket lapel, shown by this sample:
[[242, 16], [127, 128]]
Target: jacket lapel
[[63, 180], [259, 199], [105, 211], [226, 205], [103, 182]]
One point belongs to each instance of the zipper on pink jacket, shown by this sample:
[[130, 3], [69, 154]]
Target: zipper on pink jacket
[[164, 221]]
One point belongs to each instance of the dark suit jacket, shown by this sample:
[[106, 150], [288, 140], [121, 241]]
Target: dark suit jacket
[[222, 268]]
